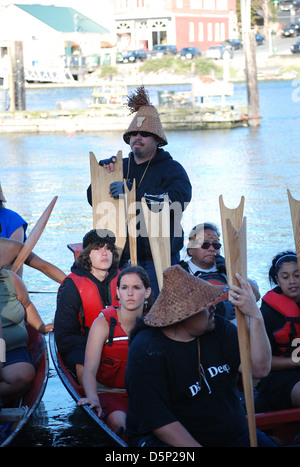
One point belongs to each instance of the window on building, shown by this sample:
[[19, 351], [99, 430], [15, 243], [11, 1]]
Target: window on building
[[122, 4], [196, 4], [217, 32], [223, 32], [209, 32], [200, 32], [222, 4], [191, 32], [179, 3], [209, 4], [140, 3]]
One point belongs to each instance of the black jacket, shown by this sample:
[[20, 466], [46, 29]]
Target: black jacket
[[67, 327], [163, 176]]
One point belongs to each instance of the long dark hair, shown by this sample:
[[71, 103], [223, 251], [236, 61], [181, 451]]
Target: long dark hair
[[84, 260], [143, 275], [277, 261]]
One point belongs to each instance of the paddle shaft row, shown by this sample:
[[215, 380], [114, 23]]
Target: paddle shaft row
[[234, 237], [295, 215]]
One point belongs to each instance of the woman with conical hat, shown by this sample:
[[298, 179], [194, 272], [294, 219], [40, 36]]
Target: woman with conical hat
[[182, 368], [156, 174]]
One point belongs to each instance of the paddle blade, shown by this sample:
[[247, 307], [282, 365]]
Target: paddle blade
[[33, 237], [108, 213], [158, 230], [131, 221], [295, 215], [238, 261], [235, 216]]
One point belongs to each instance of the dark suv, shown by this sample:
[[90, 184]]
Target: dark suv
[[133, 56], [159, 51], [190, 52]]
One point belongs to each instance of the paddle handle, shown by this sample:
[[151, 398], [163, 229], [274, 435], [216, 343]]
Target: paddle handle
[[158, 231], [130, 202], [238, 263], [235, 246]]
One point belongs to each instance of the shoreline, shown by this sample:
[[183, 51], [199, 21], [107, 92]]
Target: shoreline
[[116, 118]]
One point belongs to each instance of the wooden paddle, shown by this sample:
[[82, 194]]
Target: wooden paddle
[[235, 246], [130, 201], [295, 215], [158, 230], [108, 213], [33, 237]]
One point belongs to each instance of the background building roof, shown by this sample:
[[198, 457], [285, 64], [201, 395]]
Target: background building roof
[[63, 19]]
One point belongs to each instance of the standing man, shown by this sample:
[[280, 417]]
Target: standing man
[[156, 174], [182, 369]]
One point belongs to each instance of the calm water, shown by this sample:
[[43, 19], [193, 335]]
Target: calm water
[[258, 163]]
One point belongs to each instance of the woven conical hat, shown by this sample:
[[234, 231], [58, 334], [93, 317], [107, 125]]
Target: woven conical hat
[[182, 296], [146, 117]]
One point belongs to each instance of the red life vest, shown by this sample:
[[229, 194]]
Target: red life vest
[[111, 371], [291, 329], [91, 300]]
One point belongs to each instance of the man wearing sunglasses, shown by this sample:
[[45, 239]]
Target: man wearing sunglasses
[[206, 262], [156, 174]]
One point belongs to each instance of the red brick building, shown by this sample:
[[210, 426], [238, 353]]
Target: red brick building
[[184, 23]]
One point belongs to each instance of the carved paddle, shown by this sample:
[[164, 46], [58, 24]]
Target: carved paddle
[[235, 246], [108, 213], [130, 200], [158, 230], [295, 215], [33, 237]]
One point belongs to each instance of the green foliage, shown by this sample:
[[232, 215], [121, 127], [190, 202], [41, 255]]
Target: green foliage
[[108, 70], [176, 65]]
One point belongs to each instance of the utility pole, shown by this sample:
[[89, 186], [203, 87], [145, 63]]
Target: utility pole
[[265, 4], [16, 77], [250, 64]]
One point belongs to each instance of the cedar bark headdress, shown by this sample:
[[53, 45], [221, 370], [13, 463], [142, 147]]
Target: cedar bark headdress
[[146, 118]]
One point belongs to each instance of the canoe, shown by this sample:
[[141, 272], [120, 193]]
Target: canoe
[[76, 391], [282, 425], [25, 407]]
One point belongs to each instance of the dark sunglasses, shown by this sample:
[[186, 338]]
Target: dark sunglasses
[[144, 134], [206, 245]]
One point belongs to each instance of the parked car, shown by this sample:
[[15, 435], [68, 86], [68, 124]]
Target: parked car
[[133, 56], [286, 5], [190, 52], [296, 5], [218, 51], [160, 50], [288, 32], [233, 44], [295, 48], [259, 38], [296, 26]]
